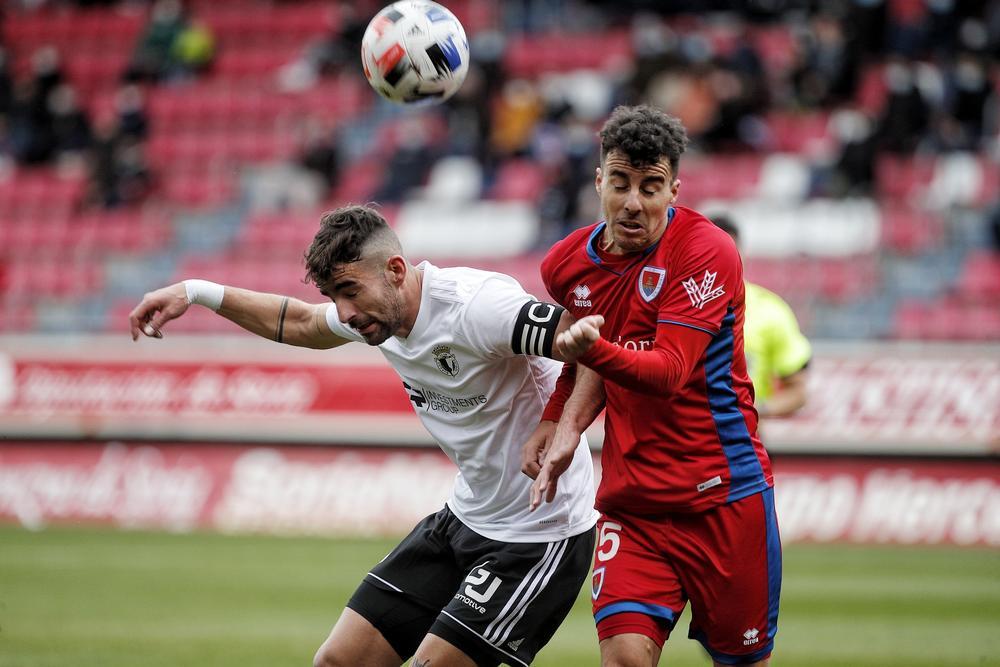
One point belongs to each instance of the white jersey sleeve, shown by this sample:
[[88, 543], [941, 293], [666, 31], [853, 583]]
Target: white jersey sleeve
[[491, 314], [338, 328]]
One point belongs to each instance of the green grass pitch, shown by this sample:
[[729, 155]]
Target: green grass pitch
[[115, 599]]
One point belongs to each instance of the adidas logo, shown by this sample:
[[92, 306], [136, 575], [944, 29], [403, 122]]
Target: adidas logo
[[516, 644], [750, 637]]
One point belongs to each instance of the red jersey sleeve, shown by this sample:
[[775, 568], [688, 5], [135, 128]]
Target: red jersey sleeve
[[564, 388], [567, 379]]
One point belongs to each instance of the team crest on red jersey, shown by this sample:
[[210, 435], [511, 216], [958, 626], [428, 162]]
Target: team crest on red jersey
[[650, 282], [597, 583]]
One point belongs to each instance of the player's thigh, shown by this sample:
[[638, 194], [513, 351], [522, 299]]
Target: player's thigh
[[634, 589], [354, 641], [434, 650], [514, 597], [731, 568], [403, 594]]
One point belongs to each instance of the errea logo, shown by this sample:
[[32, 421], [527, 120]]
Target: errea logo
[[750, 637], [581, 292]]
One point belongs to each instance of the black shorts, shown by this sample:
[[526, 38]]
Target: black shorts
[[499, 602]]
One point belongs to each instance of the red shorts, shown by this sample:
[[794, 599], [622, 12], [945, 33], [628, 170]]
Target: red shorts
[[726, 561]]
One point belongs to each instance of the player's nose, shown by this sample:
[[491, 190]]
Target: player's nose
[[632, 204], [345, 310]]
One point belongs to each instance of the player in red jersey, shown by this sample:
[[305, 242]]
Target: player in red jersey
[[686, 496]]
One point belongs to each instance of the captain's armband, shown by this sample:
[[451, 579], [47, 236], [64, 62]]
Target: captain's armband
[[535, 328]]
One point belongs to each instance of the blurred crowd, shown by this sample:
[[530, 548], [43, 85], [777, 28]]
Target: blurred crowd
[[893, 76], [42, 120]]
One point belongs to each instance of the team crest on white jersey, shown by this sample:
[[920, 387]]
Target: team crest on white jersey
[[650, 282], [445, 360], [597, 583], [705, 292]]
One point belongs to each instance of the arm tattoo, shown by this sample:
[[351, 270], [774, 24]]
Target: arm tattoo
[[279, 333]]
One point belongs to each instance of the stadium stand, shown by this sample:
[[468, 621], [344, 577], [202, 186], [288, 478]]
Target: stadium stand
[[792, 115]]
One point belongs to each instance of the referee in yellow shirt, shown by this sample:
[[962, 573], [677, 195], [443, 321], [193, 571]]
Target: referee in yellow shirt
[[777, 353]]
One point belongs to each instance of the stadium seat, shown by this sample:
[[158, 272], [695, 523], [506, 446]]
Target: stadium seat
[[979, 281], [910, 230]]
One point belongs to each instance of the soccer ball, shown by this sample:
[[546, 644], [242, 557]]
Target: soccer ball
[[415, 52]]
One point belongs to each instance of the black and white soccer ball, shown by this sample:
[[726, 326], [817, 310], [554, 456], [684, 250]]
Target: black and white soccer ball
[[415, 51]]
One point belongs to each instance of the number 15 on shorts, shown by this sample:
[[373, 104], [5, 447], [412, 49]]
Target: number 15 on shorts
[[608, 543]]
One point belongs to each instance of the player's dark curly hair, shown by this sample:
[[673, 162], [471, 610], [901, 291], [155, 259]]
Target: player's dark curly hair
[[645, 135], [345, 234]]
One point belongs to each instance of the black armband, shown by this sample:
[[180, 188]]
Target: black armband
[[535, 328]]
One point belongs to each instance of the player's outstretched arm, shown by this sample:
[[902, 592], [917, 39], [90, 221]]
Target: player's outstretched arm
[[278, 318], [581, 409]]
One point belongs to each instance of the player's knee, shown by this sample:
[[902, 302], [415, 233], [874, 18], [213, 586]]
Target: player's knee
[[323, 659], [627, 661], [633, 651], [327, 656]]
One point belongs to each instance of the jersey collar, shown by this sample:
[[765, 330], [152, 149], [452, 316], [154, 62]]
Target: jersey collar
[[594, 240]]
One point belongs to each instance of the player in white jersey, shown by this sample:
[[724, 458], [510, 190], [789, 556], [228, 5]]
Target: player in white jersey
[[485, 580]]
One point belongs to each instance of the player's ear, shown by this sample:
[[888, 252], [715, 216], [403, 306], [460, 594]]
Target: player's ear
[[675, 187], [395, 270], [597, 179]]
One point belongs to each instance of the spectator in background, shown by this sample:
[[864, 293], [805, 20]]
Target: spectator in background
[[32, 134], [6, 84], [193, 50], [329, 55], [853, 171], [969, 91], [777, 353], [119, 173], [70, 124], [133, 119], [320, 152], [410, 162], [827, 64], [154, 57], [906, 114]]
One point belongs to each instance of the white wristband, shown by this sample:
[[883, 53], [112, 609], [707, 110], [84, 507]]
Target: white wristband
[[205, 293]]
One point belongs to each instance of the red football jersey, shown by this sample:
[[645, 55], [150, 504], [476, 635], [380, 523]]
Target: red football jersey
[[692, 443]]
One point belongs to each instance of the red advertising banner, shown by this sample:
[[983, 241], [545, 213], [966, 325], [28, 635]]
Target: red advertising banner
[[366, 491], [863, 398], [899, 398]]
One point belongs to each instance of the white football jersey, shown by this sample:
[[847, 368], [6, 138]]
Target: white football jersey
[[481, 402]]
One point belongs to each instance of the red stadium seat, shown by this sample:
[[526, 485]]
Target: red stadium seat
[[522, 180], [979, 281], [909, 230], [903, 178]]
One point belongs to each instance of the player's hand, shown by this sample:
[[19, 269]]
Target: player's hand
[[561, 451], [156, 309], [576, 340], [533, 451]]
